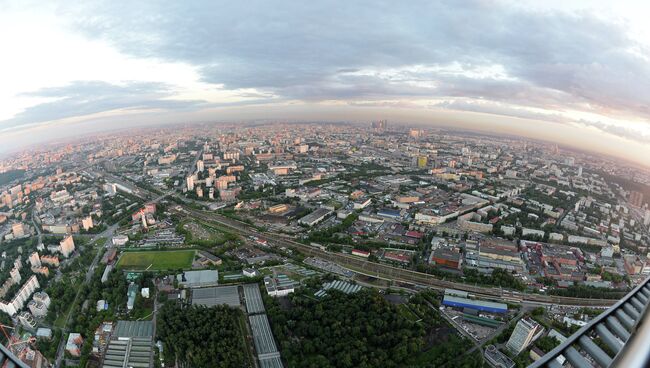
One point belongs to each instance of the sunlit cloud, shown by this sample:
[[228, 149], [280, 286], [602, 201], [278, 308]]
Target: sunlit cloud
[[581, 64]]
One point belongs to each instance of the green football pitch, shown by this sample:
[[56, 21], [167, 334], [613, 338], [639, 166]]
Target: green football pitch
[[156, 260]]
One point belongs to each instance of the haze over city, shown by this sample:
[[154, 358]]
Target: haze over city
[[572, 72]]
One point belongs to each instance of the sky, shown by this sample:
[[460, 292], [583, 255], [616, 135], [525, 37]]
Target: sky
[[572, 72]]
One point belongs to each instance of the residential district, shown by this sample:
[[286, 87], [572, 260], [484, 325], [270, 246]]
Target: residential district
[[321, 245]]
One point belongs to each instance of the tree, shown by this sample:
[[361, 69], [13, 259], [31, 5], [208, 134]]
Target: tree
[[202, 337]]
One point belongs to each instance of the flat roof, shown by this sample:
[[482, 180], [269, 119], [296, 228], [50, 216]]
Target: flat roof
[[454, 292], [199, 277], [253, 298], [134, 329], [213, 296], [134, 352], [262, 336], [272, 362], [317, 214], [474, 302]]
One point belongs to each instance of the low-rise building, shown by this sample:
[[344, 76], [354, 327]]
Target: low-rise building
[[315, 217], [74, 343]]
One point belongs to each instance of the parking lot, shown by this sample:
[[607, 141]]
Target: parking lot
[[478, 332]]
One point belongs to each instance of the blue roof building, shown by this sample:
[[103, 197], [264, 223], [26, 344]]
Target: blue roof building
[[484, 306]]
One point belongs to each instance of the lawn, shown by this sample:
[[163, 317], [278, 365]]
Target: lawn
[[156, 260]]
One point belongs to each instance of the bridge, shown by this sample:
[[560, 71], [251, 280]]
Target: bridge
[[618, 337]]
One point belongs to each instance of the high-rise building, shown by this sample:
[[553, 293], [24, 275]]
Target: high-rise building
[[636, 198], [7, 200], [422, 161], [380, 124], [110, 188], [67, 246], [579, 170], [646, 217], [35, 260], [199, 166], [87, 223], [190, 182], [526, 331]]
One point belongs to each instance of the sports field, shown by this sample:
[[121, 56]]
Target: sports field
[[156, 260]]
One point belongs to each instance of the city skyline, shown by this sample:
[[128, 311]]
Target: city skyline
[[572, 74]]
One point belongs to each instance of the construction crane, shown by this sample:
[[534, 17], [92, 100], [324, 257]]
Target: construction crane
[[10, 338]]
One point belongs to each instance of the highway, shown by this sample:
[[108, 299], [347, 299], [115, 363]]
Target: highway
[[378, 270]]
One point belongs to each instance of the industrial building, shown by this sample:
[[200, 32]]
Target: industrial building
[[446, 258], [130, 346], [213, 296], [198, 279], [263, 338], [315, 217], [253, 299], [280, 285], [480, 305]]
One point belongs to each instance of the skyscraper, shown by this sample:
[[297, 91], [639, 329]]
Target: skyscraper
[[380, 124]]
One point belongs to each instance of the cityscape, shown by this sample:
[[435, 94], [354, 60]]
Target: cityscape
[[495, 248], [422, 184]]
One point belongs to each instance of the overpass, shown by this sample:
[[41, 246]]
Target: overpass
[[618, 337]]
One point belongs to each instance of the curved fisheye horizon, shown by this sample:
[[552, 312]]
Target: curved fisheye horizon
[[578, 70], [330, 184]]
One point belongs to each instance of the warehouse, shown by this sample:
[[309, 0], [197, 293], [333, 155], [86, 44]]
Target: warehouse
[[130, 346], [253, 299], [263, 338], [453, 301], [213, 296], [198, 279], [315, 217], [446, 258]]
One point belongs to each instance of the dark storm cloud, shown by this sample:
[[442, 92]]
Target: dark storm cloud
[[311, 50], [89, 97]]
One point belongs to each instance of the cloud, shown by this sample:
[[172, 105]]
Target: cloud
[[90, 97], [618, 130], [494, 57], [498, 109], [315, 51]]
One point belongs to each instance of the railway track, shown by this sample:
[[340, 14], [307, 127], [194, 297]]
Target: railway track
[[391, 272]]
